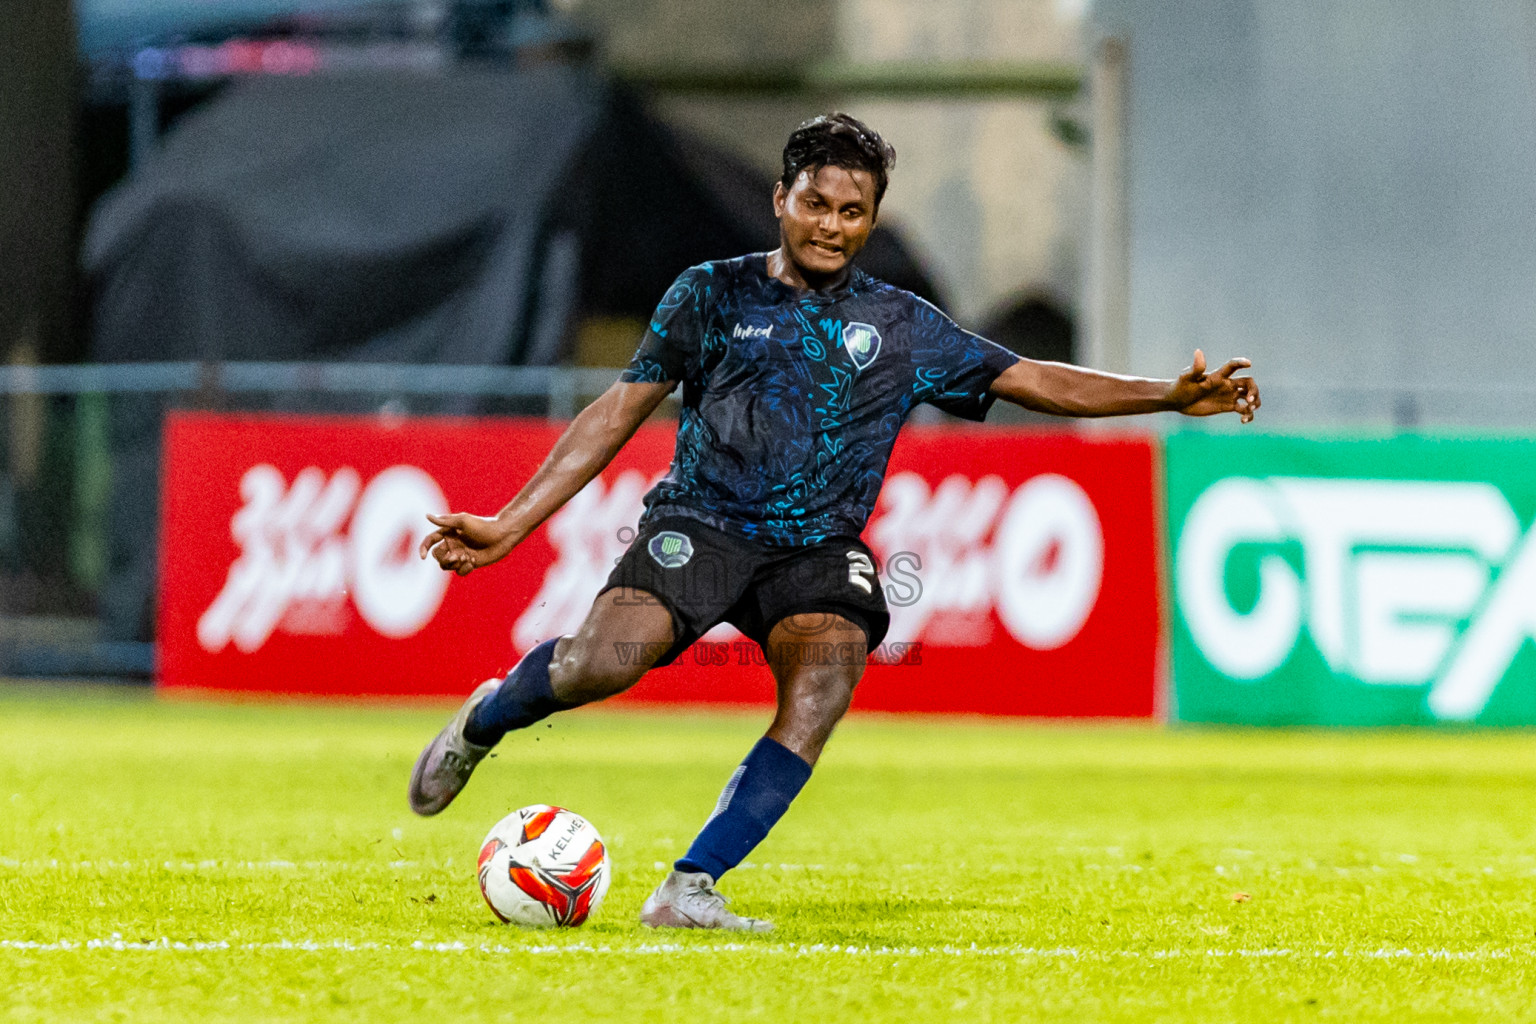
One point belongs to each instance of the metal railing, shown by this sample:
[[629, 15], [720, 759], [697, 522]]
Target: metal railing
[[561, 386]]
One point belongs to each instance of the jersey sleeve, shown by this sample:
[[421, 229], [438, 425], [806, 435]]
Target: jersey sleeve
[[952, 367], [672, 344]]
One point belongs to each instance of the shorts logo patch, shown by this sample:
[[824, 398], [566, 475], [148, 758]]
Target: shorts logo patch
[[670, 549], [862, 342]]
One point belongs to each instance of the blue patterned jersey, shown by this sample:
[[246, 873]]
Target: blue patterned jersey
[[792, 400]]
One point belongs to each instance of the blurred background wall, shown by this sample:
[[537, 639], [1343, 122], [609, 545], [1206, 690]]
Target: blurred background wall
[[1343, 192], [990, 192]]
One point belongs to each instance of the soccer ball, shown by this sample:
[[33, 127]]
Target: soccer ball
[[542, 867]]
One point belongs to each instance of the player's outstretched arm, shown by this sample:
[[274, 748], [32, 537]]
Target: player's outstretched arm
[[463, 542], [1064, 390]]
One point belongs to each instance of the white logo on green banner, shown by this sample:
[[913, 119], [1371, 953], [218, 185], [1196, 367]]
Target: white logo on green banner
[[1391, 571], [1426, 587]]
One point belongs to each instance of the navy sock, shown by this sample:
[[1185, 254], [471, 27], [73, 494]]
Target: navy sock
[[524, 698], [753, 801]]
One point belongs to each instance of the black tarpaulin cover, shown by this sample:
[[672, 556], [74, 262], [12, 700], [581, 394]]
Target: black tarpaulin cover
[[463, 218]]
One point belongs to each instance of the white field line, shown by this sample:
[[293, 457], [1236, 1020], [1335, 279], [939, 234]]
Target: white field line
[[53, 864], [117, 944]]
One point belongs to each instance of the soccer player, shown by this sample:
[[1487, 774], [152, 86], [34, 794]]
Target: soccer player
[[798, 371]]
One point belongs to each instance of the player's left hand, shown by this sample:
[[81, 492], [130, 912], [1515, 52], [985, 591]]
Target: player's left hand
[[1197, 393], [463, 543]]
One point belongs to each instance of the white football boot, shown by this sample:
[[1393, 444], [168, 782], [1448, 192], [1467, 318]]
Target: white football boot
[[690, 901], [444, 767]]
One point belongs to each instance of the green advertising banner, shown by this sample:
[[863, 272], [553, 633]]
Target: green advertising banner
[[1352, 582]]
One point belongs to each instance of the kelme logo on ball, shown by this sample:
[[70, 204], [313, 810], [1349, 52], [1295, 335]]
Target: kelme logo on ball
[[862, 342], [670, 549]]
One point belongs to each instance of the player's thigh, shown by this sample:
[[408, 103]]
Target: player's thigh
[[817, 659], [624, 634]]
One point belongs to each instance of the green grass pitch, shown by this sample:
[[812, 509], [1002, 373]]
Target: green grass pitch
[[184, 861]]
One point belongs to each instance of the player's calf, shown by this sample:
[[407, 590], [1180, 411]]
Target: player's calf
[[756, 797], [625, 633], [524, 698]]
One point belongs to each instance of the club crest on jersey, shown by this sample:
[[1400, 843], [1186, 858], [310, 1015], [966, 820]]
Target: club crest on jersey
[[670, 549], [862, 342]]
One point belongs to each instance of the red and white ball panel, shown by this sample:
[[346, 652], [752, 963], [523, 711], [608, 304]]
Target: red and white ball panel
[[543, 867]]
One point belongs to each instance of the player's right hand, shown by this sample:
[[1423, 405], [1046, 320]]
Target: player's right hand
[[463, 543], [1198, 393]]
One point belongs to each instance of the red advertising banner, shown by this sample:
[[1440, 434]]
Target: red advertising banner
[[1020, 566]]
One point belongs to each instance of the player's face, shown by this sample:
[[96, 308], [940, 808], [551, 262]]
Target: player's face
[[825, 219]]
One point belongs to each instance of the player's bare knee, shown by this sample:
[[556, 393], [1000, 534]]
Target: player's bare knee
[[584, 671], [825, 697], [624, 634]]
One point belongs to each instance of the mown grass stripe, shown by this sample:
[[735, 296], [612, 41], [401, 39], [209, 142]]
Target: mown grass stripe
[[119, 945]]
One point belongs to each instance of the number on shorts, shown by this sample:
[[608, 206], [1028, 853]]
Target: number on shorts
[[861, 571]]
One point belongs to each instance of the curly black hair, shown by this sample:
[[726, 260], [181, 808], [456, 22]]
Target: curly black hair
[[838, 140]]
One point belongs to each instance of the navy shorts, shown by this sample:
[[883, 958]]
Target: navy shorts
[[704, 576]]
